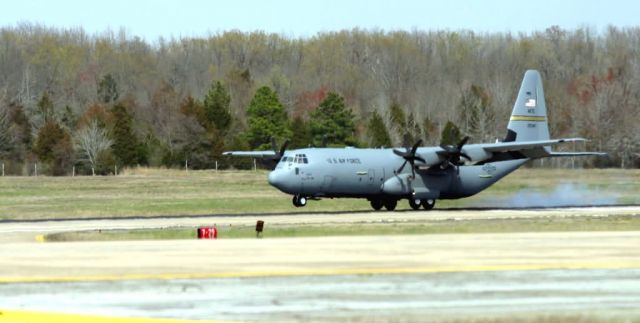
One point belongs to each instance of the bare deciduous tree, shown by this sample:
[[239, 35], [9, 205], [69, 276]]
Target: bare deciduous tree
[[91, 141]]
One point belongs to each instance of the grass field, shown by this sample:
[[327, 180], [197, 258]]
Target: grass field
[[152, 192], [611, 223]]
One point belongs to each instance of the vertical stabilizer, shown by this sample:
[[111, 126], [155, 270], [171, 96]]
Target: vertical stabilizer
[[529, 117]]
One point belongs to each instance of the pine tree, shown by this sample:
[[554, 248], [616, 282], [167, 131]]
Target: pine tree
[[430, 131], [19, 130], [45, 107], [53, 146], [126, 146], [216, 107], [48, 136], [377, 131], [6, 140], [333, 120], [476, 113], [397, 118], [400, 129], [199, 151], [108, 89], [413, 130], [193, 108], [267, 119], [69, 118], [301, 133], [451, 134]]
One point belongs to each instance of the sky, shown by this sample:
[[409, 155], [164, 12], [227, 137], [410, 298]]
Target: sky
[[151, 19]]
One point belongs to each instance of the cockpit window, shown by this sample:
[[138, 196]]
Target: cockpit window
[[302, 159], [298, 159]]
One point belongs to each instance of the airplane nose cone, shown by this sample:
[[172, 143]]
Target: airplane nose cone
[[276, 179], [284, 181]]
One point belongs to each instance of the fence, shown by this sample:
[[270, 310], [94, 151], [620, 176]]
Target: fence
[[39, 169]]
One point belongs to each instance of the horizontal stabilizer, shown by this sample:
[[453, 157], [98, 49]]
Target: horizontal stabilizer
[[576, 154], [523, 145]]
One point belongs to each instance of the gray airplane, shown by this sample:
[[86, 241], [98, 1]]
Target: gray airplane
[[445, 172]]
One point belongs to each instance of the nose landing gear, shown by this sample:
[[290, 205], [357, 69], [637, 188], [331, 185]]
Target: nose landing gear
[[299, 201]]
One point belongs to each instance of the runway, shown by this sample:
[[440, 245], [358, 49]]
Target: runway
[[573, 294], [327, 278]]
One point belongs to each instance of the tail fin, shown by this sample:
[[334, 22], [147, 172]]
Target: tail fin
[[529, 117]]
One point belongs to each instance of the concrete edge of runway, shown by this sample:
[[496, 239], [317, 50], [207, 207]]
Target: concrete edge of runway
[[312, 213]]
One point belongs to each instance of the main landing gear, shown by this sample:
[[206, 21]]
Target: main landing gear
[[376, 204], [427, 204], [391, 204], [299, 201]]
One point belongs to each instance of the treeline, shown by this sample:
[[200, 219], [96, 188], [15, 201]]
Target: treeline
[[100, 101]]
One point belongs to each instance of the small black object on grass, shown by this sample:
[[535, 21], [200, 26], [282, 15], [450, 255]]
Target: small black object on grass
[[259, 228]]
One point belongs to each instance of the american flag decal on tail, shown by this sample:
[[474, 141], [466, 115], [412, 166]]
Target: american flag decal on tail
[[531, 103]]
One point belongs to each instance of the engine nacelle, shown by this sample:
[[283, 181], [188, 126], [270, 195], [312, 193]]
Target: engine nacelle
[[406, 185], [398, 185]]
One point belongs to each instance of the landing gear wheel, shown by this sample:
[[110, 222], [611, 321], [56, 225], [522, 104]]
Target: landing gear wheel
[[390, 205], [299, 201], [429, 204], [415, 203], [376, 204]]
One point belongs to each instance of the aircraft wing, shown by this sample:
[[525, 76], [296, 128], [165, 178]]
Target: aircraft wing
[[255, 153]]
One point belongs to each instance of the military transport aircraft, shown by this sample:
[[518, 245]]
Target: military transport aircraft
[[445, 172]]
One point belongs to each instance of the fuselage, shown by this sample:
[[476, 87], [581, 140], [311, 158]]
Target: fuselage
[[372, 173]]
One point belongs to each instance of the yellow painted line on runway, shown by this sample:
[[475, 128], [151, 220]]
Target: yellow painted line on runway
[[528, 118], [321, 272], [40, 238], [38, 317]]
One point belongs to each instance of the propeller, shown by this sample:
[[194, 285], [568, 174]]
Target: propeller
[[273, 160], [325, 139], [410, 157], [453, 153]]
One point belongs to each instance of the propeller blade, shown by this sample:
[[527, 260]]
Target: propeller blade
[[452, 154], [400, 153], [283, 148], [405, 140], [410, 157], [323, 144], [401, 167], [274, 145], [413, 168], [415, 147], [463, 142]]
